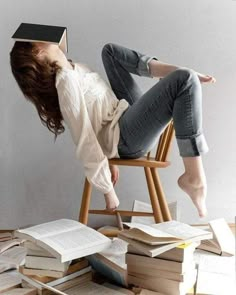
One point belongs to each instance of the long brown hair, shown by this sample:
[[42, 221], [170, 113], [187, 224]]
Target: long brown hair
[[36, 79]]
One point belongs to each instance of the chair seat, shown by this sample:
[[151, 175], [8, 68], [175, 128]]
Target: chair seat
[[140, 162]]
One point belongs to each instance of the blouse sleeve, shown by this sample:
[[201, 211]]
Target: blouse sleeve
[[88, 149]]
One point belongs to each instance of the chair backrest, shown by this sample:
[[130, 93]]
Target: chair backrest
[[164, 143]]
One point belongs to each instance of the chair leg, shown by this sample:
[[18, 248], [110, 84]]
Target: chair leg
[[153, 196], [85, 203], [160, 195]]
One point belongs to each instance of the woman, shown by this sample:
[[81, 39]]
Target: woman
[[116, 121]]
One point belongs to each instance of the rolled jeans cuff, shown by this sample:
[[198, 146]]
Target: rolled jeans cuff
[[192, 147], [143, 66]]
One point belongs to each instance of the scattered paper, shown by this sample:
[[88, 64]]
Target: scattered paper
[[146, 207]]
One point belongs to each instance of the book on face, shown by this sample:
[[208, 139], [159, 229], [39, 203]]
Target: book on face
[[42, 33]]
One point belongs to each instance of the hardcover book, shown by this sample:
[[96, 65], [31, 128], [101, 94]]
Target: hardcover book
[[42, 33]]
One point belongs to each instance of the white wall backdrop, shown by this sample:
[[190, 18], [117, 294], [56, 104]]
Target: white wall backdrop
[[41, 181]]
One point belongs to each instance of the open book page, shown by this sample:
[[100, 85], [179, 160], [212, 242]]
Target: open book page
[[116, 252], [10, 243], [8, 280], [146, 207], [79, 239], [51, 228], [179, 229], [12, 258], [223, 235], [150, 230]]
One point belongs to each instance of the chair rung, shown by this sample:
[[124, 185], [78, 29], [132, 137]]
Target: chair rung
[[140, 162], [122, 212]]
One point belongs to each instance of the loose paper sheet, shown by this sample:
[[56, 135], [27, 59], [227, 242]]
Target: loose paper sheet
[[146, 207]]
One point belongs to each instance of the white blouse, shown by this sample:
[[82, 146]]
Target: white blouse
[[91, 111]]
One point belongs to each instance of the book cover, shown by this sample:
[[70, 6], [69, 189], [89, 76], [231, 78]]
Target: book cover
[[42, 33]]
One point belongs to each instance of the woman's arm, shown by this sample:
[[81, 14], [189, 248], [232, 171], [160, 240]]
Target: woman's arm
[[88, 149], [160, 69], [114, 174]]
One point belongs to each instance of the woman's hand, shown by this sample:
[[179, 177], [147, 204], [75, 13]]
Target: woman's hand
[[206, 78], [114, 174], [112, 201]]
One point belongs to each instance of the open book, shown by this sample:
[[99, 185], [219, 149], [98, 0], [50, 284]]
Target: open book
[[12, 258], [164, 233], [223, 242], [65, 239]]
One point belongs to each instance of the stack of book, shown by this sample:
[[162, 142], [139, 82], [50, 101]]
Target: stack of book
[[160, 256], [56, 251], [172, 272], [42, 266]]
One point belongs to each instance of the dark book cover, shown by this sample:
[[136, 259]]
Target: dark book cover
[[43, 33]]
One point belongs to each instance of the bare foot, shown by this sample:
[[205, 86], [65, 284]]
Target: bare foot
[[112, 202], [206, 78], [196, 191]]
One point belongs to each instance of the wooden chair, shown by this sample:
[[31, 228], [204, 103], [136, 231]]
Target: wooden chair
[[150, 164]]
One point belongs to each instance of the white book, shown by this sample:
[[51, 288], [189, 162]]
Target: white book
[[66, 239], [223, 236], [144, 262], [223, 242], [181, 253], [10, 243], [46, 263], [164, 233], [34, 250]]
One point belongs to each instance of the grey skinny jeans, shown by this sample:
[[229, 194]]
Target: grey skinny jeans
[[178, 95]]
